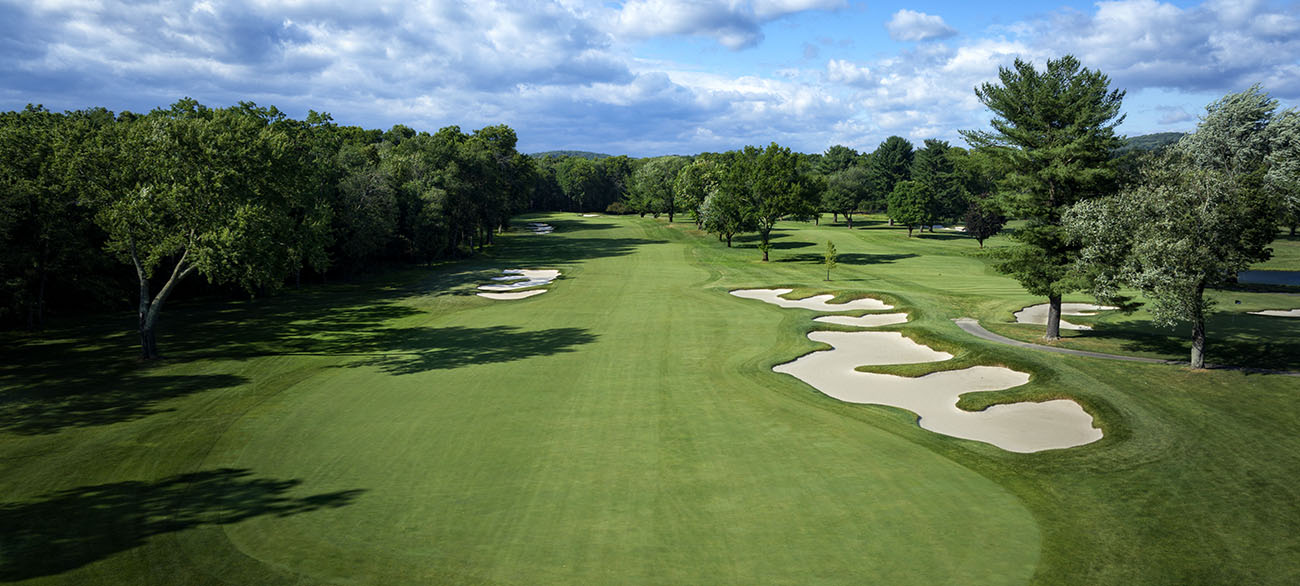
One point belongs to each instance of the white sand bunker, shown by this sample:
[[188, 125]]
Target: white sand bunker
[[1037, 314], [1017, 427], [519, 279], [1277, 312], [815, 303], [540, 228], [870, 320], [513, 295], [591, 215]]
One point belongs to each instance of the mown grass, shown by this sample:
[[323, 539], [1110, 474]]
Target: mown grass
[[625, 427]]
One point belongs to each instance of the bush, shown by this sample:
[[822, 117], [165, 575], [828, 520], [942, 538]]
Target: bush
[[618, 208]]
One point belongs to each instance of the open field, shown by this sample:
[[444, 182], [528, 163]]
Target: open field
[[626, 427]]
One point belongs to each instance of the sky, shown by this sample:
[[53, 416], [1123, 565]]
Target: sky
[[641, 77]]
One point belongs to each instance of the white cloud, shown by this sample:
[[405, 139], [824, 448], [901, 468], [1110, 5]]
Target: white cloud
[[736, 24], [1173, 115], [909, 25], [849, 73]]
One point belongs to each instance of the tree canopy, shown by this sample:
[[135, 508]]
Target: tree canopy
[[1053, 134]]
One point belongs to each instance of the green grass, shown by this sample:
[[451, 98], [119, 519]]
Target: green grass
[[625, 427]]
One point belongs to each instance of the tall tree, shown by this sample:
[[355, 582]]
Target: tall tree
[[694, 183], [1053, 134], [910, 204], [769, 183], [889, 164], [934, 167], [837, 159], [725, 214], [1201, 212], [1181, 230], [846, 190], [652, 186], [199, 193]]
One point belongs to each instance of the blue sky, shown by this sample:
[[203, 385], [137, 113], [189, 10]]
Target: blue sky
[[641, 77]]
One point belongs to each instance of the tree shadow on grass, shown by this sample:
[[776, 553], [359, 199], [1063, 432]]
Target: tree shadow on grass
[[1231, 340], [546, 250], [39, 409], [411, 350], [72, 528], [850, 258]]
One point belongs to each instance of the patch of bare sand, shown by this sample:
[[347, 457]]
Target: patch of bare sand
[[1037, 314], [512, 295], [815, 303], [1277, 312]]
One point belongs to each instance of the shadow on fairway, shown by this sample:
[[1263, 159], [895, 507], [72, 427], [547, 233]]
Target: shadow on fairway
[[130, 395], [72, 528], [412, 350], [546, 250], [849, 258]]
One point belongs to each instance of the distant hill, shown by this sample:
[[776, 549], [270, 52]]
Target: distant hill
[[1150, 142], [580, 154]]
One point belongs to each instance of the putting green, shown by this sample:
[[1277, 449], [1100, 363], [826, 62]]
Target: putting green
[[646, 448]]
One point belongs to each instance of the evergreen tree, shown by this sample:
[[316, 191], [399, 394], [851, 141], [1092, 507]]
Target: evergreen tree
[[1053, 134]]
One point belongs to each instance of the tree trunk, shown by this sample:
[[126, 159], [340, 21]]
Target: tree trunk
[[891, 221], [150, 308], [728, 241], [670, 215], [909, 230], [835, 217], [1053, 332], [1198, 344], [849, 219], [1198, 330], [763, 244]]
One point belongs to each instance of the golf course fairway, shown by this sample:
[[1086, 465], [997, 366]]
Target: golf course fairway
[[624, 428]]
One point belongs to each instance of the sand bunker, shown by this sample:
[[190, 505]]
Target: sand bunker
[[519, 279], [591, 215], [815, 303], [1277, 312], [1017, 427], [514, 295], [540, 228], [870, 320], [1037, 314], [522, 279]]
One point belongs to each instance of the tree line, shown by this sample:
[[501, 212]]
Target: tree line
[[95, 204]]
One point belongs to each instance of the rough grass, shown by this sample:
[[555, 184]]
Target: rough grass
[[625, 427]]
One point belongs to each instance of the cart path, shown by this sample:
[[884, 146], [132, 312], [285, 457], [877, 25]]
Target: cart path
[[972, 326]]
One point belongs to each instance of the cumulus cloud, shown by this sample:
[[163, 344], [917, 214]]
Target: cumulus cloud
[[1216, 46], [909, 25], [564, 75], [848, 73], [736, 24]]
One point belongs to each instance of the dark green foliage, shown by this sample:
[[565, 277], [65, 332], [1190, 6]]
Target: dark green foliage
[[245, 196], [983, 219], [768, 184], [933, 166], [836, 159], [1053, 135], [889, 164], [910, 204], [846, 191]]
